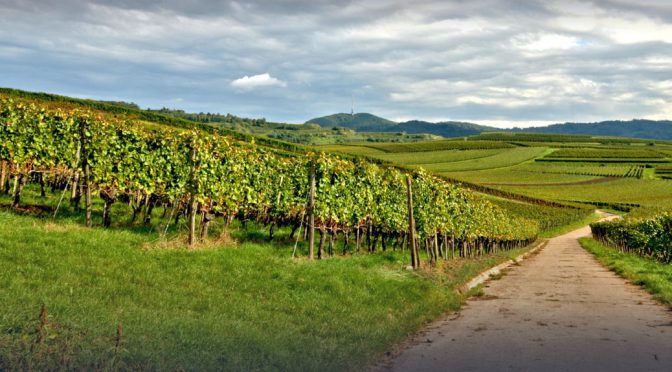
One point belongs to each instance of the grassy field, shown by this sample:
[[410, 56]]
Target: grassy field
[[240, 307], [655, 277]]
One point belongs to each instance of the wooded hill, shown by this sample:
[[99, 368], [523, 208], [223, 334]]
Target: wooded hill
[[637, 128]]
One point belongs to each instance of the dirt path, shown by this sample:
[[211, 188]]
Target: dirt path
[[558, 311]]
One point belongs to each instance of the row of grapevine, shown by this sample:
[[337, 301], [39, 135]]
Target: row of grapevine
[[650, 237], [205, 175], [548, 217], [597, 153], [636, 171]]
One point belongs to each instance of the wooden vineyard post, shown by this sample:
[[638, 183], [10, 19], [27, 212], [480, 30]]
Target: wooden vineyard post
[[193, 207], [86, 170], [193, 204], [74, 194], [311, 215], [415, 259], [3, 175]]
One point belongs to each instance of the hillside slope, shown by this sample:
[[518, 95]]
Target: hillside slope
[[650, 129], [364, 122], [636, 128], [361, 122], [445, 129]]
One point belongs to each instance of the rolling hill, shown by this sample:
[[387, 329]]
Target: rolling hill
[[361, 122], [649, 129], [364, 122]]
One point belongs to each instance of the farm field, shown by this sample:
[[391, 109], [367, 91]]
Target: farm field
[[606, 153], [507, 158], [647, 193], [431, 157], [436, 145], [555, 167], [514, 175]]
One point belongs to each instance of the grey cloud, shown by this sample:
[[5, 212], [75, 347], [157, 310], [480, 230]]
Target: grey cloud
[[479, 60]]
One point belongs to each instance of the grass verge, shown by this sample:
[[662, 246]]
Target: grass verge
[[654, 276], [114, 300]]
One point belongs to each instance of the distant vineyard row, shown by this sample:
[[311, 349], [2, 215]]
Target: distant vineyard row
[[585, 153], [426, 146], [634, 171]]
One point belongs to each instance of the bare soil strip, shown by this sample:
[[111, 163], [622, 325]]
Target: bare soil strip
[[560, 310]]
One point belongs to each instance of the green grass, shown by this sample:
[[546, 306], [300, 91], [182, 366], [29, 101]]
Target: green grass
[[242, 307], [655, 277]]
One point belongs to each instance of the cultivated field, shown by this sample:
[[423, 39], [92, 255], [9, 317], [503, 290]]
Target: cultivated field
[[593, 170]]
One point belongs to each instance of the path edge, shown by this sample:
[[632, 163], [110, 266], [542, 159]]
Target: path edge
[[496, 270], [380, 363]]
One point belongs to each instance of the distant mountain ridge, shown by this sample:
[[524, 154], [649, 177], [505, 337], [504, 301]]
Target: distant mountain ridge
[[636, 128], [364, 122]]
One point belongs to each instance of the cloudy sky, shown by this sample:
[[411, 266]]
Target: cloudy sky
[[493, 62]]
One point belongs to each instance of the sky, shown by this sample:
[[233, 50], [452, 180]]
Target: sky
[[495, 62]]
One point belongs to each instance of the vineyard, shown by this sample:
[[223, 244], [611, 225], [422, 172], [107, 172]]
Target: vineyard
[[572, 139], [549, 217], [649, 237], [588, 153], [203, 176], [664, 171], [156, 187], [588, 169], [436, 145], [504, 159]]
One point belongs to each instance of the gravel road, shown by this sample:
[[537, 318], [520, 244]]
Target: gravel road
[[558, 311]]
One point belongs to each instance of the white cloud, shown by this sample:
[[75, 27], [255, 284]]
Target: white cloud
[[257, 81]]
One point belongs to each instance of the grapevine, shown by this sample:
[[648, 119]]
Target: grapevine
[[204, 176]]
